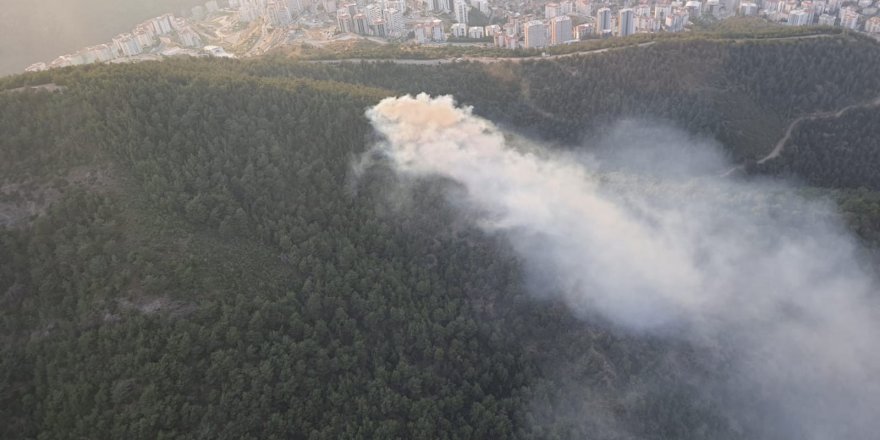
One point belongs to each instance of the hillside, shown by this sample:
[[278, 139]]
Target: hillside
[[186, 253]]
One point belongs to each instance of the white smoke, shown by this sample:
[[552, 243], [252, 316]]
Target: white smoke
[[647, 236]]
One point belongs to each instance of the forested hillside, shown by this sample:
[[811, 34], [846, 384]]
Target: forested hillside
[[742, 93], [185, 252]]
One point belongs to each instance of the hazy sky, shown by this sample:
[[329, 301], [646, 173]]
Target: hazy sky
[[40, 30]]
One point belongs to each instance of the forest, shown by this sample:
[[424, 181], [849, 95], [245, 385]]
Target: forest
[[185, 253]]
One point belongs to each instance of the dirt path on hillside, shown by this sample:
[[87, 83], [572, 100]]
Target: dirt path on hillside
[[780, 146]]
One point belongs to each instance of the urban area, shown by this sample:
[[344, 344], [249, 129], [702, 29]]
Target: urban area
[[240, 28]]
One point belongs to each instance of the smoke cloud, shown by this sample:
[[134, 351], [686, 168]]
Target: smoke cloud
[[644, 234]]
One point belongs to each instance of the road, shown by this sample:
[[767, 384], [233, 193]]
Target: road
[[780, 146], [484, 60], [489, 60], [51, 87]]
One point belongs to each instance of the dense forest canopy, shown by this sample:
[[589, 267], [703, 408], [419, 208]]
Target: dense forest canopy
[[184, 252]]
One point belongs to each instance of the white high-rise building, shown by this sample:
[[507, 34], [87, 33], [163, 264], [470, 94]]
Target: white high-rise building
[[603, 21], [583, 31], [361, 25], [798, 17], [461, 11], [677, 21], [189, 38], [372, 12], [420, 34], [162, 24], [551, 10], [437, 30], [458, 30], [626, 24], [535, 34], [566, 7], [145, 39], [394, 22], [873, 25], [437, 6], [827, 20], [343, 21], [850, 20], [379, 28], [560, 30], [103, 52], [127, 44], [748, 9], [713, 8], [661, 12]]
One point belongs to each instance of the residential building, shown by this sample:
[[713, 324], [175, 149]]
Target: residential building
[[661, 12], [437, 33], [344, 22], [560, 30], [535, 35], [603, 22], [461, 11], [361, 25], [189, 38], [566, 7], [458, 30], [677, 21], [694, 8], [798, 17], [394, 22], [850, 19], [379, 28], [873, 25], [144, 38], [827, 20], [626, 24], [127, 45], [748, 9], [420, 33], [373, 12], [162, 24], [583, 31]]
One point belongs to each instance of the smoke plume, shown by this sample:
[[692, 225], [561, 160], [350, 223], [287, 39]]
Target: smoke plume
[[643, 233]]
